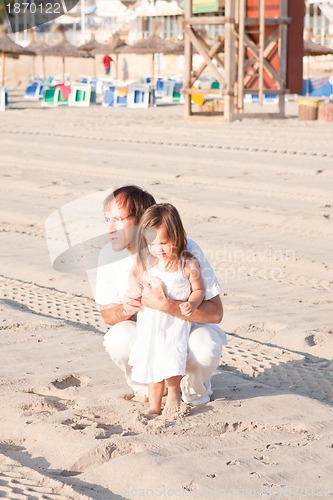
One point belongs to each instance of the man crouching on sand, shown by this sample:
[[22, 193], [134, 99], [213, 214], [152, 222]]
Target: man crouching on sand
[[123, 210]]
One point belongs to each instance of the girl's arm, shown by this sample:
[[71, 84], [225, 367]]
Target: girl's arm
[[192, 271]]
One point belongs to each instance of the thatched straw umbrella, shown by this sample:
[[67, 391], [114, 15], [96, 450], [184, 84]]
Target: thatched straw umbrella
[[63, 49], [37, 46], [153, 45], [311, 49], [7, 46], [94, 48]]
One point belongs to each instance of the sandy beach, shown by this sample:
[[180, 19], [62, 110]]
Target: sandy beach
[[257, 196]]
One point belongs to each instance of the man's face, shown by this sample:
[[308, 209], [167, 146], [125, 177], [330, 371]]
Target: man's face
[[121, 226]]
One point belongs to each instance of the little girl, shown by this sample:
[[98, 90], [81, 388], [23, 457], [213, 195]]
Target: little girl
[[160, 350]]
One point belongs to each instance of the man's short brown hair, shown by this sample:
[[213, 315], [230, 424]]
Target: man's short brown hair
[[136, 199]]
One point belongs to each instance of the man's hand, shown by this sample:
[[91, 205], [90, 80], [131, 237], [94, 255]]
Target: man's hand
[[155, 296], [115, 313], [132, 302], [186, 308]]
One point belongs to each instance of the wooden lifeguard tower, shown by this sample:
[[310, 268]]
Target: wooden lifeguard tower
[[259, 52]]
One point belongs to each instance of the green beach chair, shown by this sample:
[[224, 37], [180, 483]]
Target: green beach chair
[[50, 98]]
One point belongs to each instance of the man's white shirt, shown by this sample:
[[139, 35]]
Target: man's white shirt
[[113, 274]]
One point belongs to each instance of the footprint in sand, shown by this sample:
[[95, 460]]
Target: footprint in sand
[[49, 401], [311, 340], [70, 381], [100, 430], [66, 382], [47, 404], [99, 456]]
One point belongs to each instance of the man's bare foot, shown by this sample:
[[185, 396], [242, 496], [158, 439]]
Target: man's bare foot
[[141, 398], [172, 404]]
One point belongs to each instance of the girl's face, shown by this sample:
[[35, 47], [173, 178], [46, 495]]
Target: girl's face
[[159, 244]]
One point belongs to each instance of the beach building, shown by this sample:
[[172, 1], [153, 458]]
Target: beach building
[[319, 20], [137, 19]]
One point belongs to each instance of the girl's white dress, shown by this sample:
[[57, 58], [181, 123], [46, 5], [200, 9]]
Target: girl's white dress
[[160, 349]]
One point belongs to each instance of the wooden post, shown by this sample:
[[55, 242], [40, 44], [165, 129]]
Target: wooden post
[[241, 50], [308, 76], [200, 47], [117, 66], [261, 50], [229, 58], [3, 68], [283, 47], [63, 70], [152, 85], [188, 57], [212, 53]]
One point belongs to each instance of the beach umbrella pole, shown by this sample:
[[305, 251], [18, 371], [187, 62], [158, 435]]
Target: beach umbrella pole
[[63, 70], [3, 68], [152, 81], [308, 77]]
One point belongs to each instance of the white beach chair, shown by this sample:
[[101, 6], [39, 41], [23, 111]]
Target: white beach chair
[[52, 98], [80, 96], [167, 95], [3, 99], [109, 95], [34, 90], [102, 83], [138, 95]]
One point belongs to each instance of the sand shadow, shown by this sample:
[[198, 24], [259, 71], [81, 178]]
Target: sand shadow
[[75, 324], [41, 466]]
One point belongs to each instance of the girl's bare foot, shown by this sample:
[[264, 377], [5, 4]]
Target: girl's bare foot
[[152, 412], [172, 404], [155, 392]]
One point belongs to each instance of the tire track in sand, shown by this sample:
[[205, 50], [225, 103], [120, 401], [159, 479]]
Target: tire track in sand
[[187, 144], [281, 368], [53, 303]]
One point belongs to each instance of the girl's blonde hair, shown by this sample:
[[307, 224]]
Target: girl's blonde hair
[[166, 215]]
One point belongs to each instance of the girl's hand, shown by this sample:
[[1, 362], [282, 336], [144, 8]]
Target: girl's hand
[[186, 308]]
